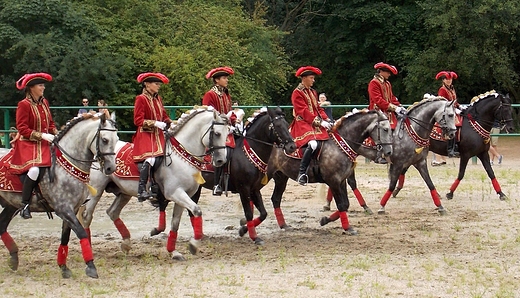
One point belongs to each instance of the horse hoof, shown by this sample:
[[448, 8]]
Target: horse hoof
[[350, 232], [177, 256], [368, 211], [396, 192], [381, 210], [13, 261], [91, 270], [155, 231], [324, 220], [285, 227], [503, 197], [325, 208], [194, 246], [442, 211], [243, 222], [259, 241], [65, 271], [449, 196], [126, 245], [242, 231]]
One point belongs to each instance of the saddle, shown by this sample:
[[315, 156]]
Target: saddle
[[298, 153]]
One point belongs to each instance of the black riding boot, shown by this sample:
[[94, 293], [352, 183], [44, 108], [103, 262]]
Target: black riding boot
[[304, 164], [217, 189], [28, 186], [142, 192], [452, 149]]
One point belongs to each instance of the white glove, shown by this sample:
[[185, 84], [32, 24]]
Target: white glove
[[159, 124], [48, 137], [400, 110], [458, 111], [326, 124]]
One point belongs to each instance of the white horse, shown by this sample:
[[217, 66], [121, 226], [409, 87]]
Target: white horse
[[84, 140], [178, 177]]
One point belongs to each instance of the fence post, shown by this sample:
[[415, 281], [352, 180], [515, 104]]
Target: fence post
[[6, 139]]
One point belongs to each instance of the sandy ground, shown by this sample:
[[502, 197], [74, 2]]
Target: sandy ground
[[411, 251]]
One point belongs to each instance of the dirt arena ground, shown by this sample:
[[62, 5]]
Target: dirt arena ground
[[411, 251]]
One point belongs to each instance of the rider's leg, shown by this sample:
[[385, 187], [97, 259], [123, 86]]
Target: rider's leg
[[452, 149], [144, 173], [217, 188], [306, 160], [28, 185]]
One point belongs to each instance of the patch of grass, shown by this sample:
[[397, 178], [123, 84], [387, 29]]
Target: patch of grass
[[308, 283]]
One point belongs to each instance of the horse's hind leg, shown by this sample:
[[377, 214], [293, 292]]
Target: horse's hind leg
[[280, 181], [351, 180], [5, 218], [393, 173], [68, 215], [172, 237], [114, 211], [342, 202], [484, 158], [251, 224], [422, 167], [462, 170], [63, 250], [163, 203], [195, 198], [400, 183]]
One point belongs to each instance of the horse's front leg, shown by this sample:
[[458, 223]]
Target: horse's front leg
[[114, 212], [484, 158], [172, 237], [5, 218], [462, 170], [68, 215], [180, 197], [351, 180], [400, 183], [393, 173], [163, 203], [339, 191], [422, 167], [251, 224], [280, 185], [63, 250]]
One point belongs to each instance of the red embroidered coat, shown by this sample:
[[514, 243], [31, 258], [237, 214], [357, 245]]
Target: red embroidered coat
[[32, 119], [148, 140], [381, 97], [218, 98], [308, 115], [451, 95]]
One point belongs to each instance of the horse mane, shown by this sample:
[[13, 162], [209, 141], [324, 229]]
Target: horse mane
[[351, 115], [426, 98], [77, 120], [254, 116], [186, 116], [477, 98]]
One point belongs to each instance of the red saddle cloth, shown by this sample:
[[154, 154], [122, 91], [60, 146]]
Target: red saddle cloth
[[126, 168], [8, 181], [436, 133], [298, 153]]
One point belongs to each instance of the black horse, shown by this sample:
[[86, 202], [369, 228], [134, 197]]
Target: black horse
[[477, 122], [248, 166]]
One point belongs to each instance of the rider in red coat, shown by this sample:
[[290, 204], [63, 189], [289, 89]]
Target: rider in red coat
[[448, 91], [151, 120], [36, 131], [311, 123], [218, 97], [380, 92]]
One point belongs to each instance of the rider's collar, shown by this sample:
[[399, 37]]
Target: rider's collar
[[35, 101], [149, 94], [379, 77], [219, 90], [450, 87], [302, 87]]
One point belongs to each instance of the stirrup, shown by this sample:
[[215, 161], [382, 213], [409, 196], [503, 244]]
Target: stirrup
[[380, 160], [25, 212], [217, 190], [303, 179], [143, 196], [453, 154]]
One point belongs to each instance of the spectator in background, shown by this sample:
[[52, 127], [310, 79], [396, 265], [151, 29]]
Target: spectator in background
[[102, 103], [83, 110], [493, 151], [325, 104]]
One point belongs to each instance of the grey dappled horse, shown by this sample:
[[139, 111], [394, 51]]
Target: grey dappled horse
[[477, 122], [197, 131], [84, 139], [335, 162]]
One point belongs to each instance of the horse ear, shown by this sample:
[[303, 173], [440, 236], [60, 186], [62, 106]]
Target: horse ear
[[113, 116], [451, 103]]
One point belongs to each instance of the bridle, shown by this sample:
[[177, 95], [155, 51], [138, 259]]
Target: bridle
[[498, 111], [279, 142], [442, 122], [211, 147], [379, 143]]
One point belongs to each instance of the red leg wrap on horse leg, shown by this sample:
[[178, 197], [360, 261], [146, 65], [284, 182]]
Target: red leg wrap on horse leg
[[359, 197], [454, 185], [400, 181], [162, 221], [436, 198], [334, 216], [121, 227], [279, 217], [172, 241], [496, 185], [251, 229], [196, 222], [9, 243], [86, 250], [257, 221], [63, 252], [330, 196], [344, 220], [386, 197]]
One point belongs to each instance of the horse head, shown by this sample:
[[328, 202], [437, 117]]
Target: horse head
[[504, 114], [445, 116], [95, 130], [381, 133], [280, 130], [215, 139]]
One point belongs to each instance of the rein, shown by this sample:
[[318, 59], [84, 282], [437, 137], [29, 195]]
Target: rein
[[279, 143], [379, 144]]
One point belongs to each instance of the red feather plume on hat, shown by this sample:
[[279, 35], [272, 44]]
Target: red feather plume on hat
[[30, 79], [308, 70], [447, 74], [382, 65], [152, 77], [220, 71]]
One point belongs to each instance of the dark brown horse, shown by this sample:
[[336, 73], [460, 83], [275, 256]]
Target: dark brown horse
[[477, 122]]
